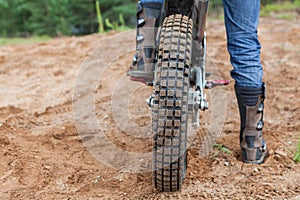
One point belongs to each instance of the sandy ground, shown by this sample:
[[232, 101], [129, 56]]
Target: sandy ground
[[44, 132]]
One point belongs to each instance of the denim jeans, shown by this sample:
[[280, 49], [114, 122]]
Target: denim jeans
[[241, 21]]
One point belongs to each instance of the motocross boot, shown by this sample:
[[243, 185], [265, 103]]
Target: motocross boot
[[251, 107], [148, 19]]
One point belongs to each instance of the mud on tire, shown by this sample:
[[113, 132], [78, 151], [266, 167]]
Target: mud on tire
[[170, 109]]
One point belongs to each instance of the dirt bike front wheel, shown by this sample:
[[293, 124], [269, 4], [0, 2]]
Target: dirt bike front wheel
[[170, 108]]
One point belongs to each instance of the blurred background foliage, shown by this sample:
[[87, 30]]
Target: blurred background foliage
[[24, 18]]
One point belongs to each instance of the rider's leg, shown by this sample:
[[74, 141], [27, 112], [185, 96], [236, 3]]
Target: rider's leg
[[148, 18], [241, 20]]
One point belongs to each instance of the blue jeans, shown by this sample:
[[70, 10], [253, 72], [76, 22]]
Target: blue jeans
[[241, 21]]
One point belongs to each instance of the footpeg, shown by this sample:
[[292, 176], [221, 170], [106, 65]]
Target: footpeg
[[214, 83]]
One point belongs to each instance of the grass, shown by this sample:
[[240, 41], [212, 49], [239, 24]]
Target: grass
[[297, 153], [222, 149], [283, 10], [7, 41], [287, 16], [268, 9]]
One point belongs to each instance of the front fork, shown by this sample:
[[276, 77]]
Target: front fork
[[197, 97], [197, 11]]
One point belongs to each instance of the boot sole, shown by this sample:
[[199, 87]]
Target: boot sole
[[260, 161], [141, 75]]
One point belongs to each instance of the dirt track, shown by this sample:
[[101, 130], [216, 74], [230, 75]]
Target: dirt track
[[43, 157]]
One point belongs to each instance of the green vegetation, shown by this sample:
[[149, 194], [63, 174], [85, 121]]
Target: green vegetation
[[215, 10], [99, 16], [221, 149], [25, 18], [117, 25], [297, 154], [268, 9], [18, 40]]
